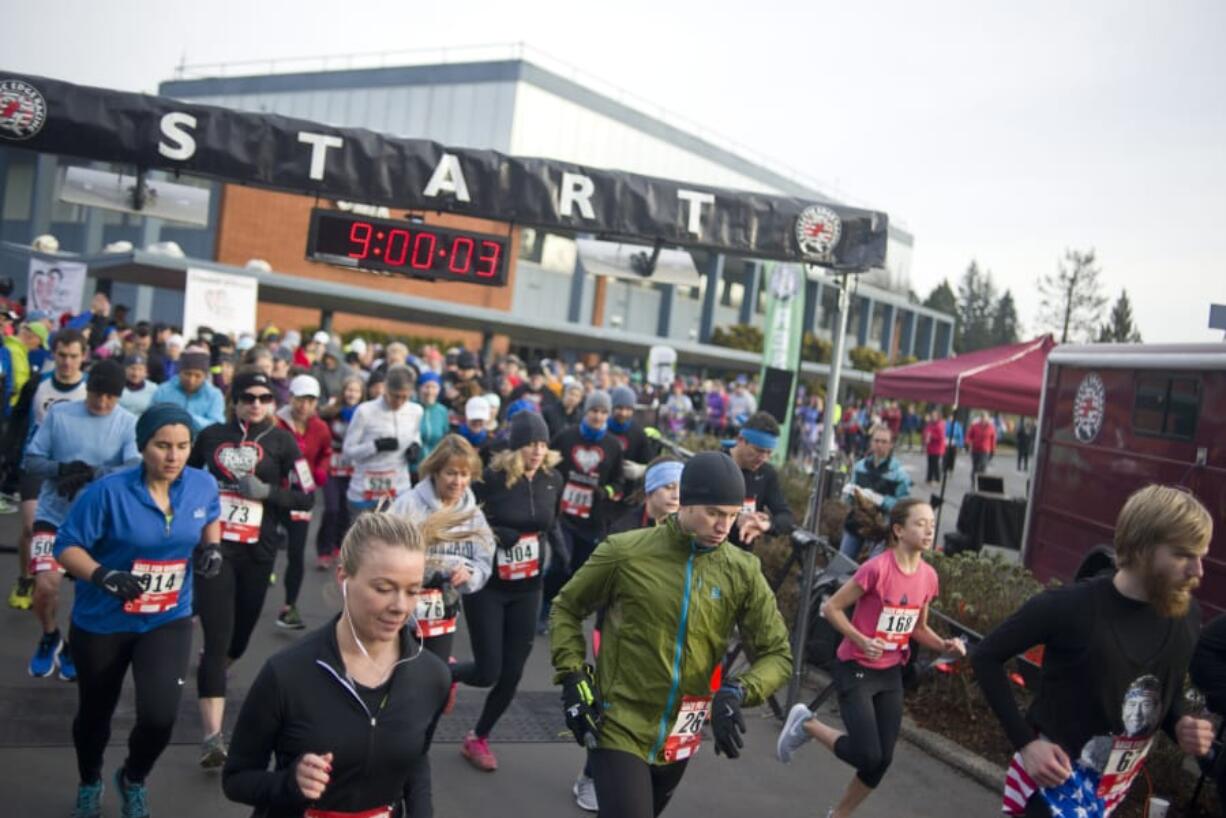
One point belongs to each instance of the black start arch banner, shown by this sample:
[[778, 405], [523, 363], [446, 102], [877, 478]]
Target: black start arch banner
[[355, 164]]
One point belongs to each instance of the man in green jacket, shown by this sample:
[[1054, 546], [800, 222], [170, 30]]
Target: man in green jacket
[[673, 595]]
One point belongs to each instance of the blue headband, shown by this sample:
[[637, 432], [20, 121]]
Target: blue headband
[[429, 377], [662, 474], [759, 438]]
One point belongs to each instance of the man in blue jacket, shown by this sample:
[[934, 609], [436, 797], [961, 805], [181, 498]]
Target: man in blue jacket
[[191, 390], [878, 478]]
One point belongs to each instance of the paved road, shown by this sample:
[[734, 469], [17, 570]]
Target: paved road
[[533, 778]]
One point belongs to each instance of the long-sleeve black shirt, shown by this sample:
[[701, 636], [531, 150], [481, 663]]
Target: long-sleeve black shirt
[[1209, 664], [530, 506], [302, 702], [1098, 643], [763, 488], [230, 451], [587, 467]]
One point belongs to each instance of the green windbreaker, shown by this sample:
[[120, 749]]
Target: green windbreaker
[[671, 608]]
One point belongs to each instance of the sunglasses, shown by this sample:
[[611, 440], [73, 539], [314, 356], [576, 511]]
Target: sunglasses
[[250, 398]]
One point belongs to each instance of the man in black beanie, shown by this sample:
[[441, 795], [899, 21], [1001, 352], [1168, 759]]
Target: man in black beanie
[[674, 593]]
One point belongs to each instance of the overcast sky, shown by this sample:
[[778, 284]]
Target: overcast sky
[[1002, 132]]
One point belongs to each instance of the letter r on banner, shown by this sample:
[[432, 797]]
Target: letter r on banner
[[576, 189]]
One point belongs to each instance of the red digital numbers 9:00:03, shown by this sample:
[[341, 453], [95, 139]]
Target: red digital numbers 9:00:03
[[408, 249]]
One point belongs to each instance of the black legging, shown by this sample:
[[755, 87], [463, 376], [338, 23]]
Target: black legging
[[229, 607], [294, 549], [629, 787], [934, 468], [502, 628], [159, 664], [581, 546], [440, 646], [870, 702], [335, 521]]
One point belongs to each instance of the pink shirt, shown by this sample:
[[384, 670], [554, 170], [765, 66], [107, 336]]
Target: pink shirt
[[890, 608]]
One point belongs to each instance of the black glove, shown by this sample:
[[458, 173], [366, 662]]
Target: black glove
[[72, 477], [506, 537], [582, 709], [74, 469], [119, 584], [207, 561], [253, 488], [386, 444], [412, 453], [727, 724]]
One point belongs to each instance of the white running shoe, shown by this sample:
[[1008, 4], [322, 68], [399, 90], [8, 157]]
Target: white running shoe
[[793, 734], [585, 793]]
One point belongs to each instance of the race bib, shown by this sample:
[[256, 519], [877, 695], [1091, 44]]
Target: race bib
[[686, 736], [522, 560], [1125, 761], [377, 812], [750, 505], [305, 478], [162, 580], [895, 624], [42, 554], [240, 518], [338, 468], [432, 614], [577, 500], [380, 484]]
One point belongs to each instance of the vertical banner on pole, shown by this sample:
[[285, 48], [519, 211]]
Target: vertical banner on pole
[[781, 350], [55, 287], [221, 301]]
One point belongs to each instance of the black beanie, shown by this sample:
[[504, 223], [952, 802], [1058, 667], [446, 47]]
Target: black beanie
[[712, 479], [106, 377], [528, 427], [245, 380]]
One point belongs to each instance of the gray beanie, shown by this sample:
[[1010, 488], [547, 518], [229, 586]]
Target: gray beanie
[[712, 479], [598, 399], [622, 396]]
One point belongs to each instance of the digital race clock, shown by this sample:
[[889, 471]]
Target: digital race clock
[[408, 249]]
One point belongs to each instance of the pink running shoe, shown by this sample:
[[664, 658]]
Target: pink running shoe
[[477, 751]]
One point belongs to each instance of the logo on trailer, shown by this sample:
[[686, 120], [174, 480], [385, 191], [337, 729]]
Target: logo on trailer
[[818, 230], [22, 110], [1089, 407]]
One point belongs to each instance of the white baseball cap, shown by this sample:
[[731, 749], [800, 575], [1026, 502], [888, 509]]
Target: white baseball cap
[[304, 386], [358, 345], [477, 408], [321, 337]]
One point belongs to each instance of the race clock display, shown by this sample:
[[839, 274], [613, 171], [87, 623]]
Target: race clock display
[[408, 249]]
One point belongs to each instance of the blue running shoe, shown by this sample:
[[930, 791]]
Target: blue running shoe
[[68, 669], [47, 657], [89, 801], [135, 797]]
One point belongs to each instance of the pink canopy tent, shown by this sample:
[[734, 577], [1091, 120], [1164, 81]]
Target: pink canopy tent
[[1004, 379]]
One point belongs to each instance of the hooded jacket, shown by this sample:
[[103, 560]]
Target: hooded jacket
[[671, 607], [527, 507], [475, 553]]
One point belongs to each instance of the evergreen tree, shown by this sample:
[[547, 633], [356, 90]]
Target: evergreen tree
[[976, 305], [1005, 328], [1072, 300], [942, 298], [1120, 329]]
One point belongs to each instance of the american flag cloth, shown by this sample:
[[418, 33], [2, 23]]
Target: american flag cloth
[[1077, 797]]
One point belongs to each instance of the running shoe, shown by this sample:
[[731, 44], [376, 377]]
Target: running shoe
[[323, 562], [290, 619], [449, 705], [47, 657], [7, 506], [793, 734], [477, 751], [68, 668], [134, 797], [585, 793], [22, 595], [213, 752], [89, 801]]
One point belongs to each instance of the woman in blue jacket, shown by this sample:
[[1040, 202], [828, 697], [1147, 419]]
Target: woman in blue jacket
[[132, 541]]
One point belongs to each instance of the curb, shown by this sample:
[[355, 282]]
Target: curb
[[973, 766]]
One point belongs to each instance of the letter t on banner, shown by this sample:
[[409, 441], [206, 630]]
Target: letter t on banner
[[781, 350]]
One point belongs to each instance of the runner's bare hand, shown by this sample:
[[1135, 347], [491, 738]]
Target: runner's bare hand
[[1046, 763], [873, 648], [460, 576], [1195, 736], [312, 774]]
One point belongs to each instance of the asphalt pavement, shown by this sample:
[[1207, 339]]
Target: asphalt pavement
[[38, 773]]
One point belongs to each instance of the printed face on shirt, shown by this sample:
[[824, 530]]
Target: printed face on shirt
[[1141, 706], [382, 592], [166, 453], [68, 362], [1173, 573]]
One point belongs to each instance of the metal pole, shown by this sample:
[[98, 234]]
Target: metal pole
[[813, 517]]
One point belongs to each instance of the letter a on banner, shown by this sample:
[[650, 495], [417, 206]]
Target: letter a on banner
[[781, 348]]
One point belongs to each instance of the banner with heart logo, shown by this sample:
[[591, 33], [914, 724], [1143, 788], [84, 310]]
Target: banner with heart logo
[[238, 460], [55, 287], [223, 301], [587, 458]]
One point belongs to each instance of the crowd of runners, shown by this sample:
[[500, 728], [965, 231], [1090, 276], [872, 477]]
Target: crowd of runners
[[164, 475]]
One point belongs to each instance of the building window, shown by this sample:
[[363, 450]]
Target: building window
[[1166, 407], [18, 192]]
